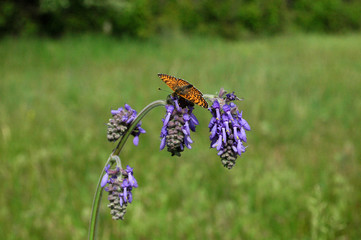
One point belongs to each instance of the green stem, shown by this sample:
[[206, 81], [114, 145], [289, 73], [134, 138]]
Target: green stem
[[112, 158], [97, 200]]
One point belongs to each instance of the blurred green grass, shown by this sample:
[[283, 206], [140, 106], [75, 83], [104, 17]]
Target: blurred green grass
[[299, 179]]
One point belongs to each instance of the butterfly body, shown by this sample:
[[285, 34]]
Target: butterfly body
[[184, 89]]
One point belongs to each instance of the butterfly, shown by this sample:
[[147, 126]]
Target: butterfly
[[184, 89]]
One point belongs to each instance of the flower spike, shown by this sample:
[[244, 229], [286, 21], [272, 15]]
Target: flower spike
[[227, 128]]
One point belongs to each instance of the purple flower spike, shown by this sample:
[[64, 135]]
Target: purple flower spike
[[122, 119], [227, 133], [178, 122], [120, 185]]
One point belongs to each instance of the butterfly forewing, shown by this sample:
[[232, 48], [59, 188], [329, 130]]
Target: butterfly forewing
[[184, 89]]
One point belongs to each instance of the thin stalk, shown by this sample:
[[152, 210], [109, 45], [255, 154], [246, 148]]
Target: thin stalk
[[111, 160], [96, 202]]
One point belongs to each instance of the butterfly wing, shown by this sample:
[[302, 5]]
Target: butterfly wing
[[171, 81], [184, 89], [191, 93], [195, 96]]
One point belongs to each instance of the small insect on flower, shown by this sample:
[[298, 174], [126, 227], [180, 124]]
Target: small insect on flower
[[178, 123], [184, 89]]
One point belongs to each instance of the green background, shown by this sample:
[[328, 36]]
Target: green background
[[300, 176], [231, 19]]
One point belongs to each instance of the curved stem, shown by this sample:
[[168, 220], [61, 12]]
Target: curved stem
[[96, 201], [111, 160]]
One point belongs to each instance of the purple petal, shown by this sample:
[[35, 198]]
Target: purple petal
[[215, 104], [163, 132], [132, 180], [128, 107], [129, 169], [218, 142], [104, 180], [177, 105], [184, 131], [239, 148], [239, 114], [224, 135], [242, 135], [166, 120], [226, 108], [218, 114], [194, 119], [186, 117], [125, 193], [136, 140], [192, 126], [245, 124], [121, 199], [234, 148], [162, 143], [186, 127], [189, 139], [213, 131], [130, 197], [219, 146], [212, 122], [169, 108], [130, 119], [235, 134], [125, 183], [141, 130], [114, 112]]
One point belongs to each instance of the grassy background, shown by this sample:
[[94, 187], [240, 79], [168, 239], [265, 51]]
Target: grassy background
[[299, 179]]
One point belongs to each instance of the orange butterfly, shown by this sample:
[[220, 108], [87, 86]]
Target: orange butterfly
[[184, 89]]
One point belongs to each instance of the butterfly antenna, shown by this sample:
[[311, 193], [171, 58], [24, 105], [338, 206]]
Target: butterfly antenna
[[160, 89]]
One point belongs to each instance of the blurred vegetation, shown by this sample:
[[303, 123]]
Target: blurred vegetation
[[300, 176], [146, 18]]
